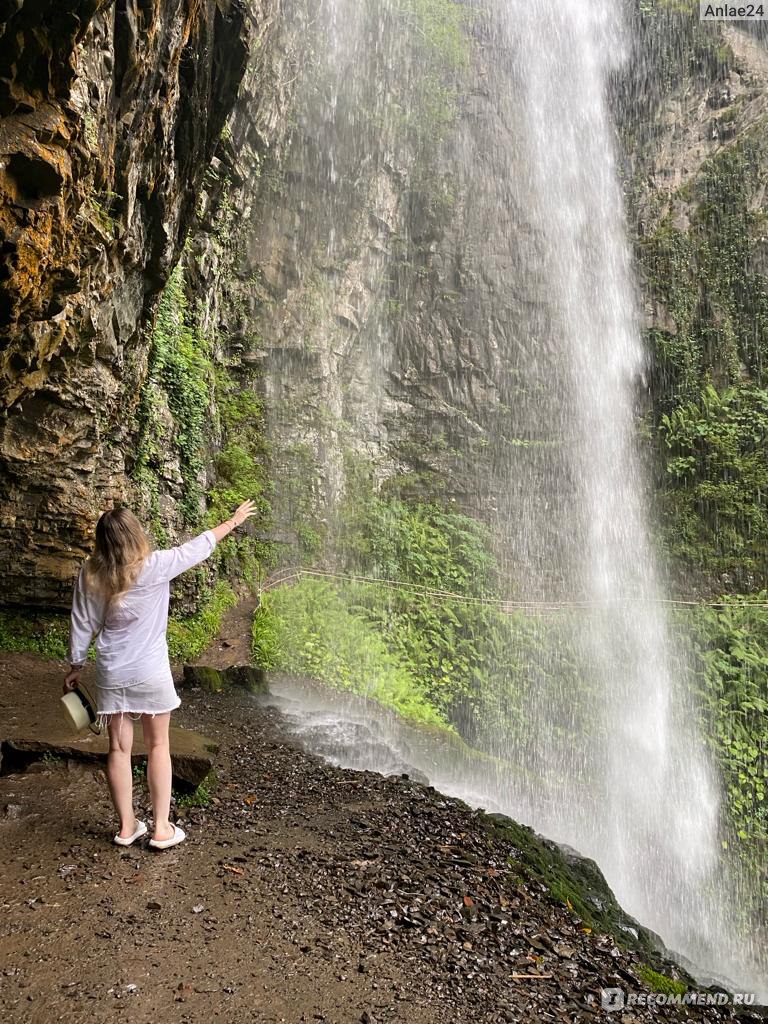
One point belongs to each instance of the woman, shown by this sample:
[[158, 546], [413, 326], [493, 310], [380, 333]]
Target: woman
[[121, 597]]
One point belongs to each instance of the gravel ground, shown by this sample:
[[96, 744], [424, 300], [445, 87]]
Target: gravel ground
[[304, 893]]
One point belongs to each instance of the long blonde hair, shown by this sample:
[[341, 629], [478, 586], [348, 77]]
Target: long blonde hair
[[118, 554]]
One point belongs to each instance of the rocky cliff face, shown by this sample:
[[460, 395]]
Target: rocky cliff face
[[398, 317], [695, 128], [389, 277], [110, 116]]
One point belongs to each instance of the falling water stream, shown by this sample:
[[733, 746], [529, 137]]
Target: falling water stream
[[650, 814], [544, 217]]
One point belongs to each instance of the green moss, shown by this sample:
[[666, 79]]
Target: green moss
[[100, 213], [575, 882], [657, 982], [210, 409], [242, 472]]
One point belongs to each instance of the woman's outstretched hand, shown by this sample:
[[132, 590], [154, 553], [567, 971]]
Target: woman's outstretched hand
[[243, 512]]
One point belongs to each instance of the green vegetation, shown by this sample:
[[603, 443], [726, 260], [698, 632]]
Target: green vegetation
[[47, 635], [463, 660], [444, 642], [188, 636], [298, 486], [476, 664], [401, 647], [730, 647], [436, 34], [710, 397], [241, 472], [657, 982], [672, 47], [201, 796], [196, 412], [717, 478], [180, 379], [310, 630]]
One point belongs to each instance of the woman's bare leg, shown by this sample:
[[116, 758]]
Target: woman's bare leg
[[119, 775], [159, 771]]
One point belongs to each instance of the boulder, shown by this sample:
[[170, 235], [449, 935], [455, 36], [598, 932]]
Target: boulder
[[248, 677]]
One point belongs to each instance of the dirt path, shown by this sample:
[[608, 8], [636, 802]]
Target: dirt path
[[304, 893], [233, 644]]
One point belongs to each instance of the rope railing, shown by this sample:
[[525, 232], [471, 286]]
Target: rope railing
[[289, 575]]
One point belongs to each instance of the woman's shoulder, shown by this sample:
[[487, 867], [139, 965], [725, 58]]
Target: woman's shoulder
[[149, 567]]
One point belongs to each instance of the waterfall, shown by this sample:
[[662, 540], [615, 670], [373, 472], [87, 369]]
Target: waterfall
[[650, 815], [549, 323]]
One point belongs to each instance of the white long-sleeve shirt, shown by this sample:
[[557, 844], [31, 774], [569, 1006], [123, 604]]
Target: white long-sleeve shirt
[[132, 643]]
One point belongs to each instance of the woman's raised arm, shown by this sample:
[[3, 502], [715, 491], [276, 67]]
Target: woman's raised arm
[[242, 512], [172, 562]]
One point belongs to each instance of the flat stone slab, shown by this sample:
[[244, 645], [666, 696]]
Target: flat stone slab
[[32, 724]]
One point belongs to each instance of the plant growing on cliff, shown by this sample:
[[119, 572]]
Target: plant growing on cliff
[[179, 378], [241, 472], [710, 365], [728, 668], [715, 461]]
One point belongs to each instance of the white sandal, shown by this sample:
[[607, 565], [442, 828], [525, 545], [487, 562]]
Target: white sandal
[[140, 830], [179, 835]]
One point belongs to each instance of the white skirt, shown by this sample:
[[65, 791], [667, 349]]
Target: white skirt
[[154, 695]]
